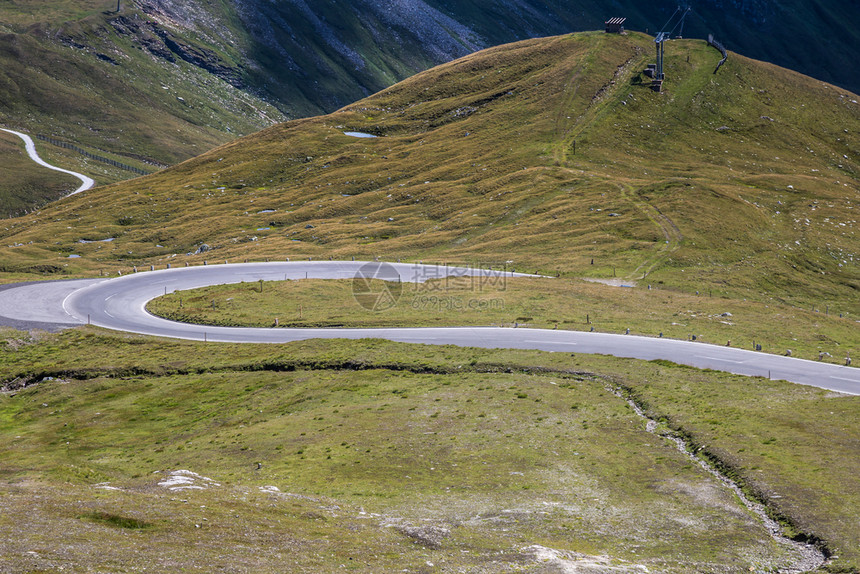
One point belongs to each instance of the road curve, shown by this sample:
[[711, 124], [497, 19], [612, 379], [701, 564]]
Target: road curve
[[86, 182], [120, 304]]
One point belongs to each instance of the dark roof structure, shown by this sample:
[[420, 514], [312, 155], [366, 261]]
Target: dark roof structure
[[615, 25]]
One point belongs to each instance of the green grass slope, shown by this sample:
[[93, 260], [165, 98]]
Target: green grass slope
[[109, 84], [551, 154], [25, 181], [382, 456]]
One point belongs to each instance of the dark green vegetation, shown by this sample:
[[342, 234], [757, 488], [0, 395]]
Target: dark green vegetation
[[396, 455], [539, 303]]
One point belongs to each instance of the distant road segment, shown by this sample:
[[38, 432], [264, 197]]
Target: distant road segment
[[120, 304], [86, 182]]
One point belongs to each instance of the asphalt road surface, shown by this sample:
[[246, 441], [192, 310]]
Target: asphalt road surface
[[86, 182], [120, 303]]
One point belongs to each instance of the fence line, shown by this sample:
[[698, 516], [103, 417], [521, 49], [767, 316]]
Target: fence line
[[85, 153], [719, 46]]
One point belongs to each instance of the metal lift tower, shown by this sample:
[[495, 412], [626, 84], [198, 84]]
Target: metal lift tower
[[659, 75], [659, 40]]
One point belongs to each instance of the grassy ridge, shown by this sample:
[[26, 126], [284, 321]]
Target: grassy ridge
[[724, 182], [763, 30]]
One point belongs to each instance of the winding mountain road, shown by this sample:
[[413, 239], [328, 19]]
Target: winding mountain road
[[86, 182], [120, 304]]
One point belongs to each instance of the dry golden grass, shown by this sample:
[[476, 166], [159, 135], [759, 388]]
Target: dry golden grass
[[709, 184]]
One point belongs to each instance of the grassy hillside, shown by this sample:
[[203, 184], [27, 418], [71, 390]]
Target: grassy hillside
[[551, 154], [158, 82], [816, 39], [108, 83], [24, 180], [384, 456]]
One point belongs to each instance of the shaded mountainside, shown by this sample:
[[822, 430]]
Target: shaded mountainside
[[142, 93], [316, 57], [551, 153]]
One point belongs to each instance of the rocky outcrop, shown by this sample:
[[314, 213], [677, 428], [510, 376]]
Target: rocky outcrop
[[160, 41]]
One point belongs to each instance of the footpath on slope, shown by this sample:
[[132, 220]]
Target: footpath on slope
[[86, 182]]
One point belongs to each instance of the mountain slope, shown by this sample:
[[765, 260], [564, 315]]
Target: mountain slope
[[26, 180], [158, 82], [550, 153], [314, 57], [115, 86]]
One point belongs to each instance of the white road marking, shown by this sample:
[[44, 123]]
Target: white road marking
[[550, 342], [843, 379], [720, 360]]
